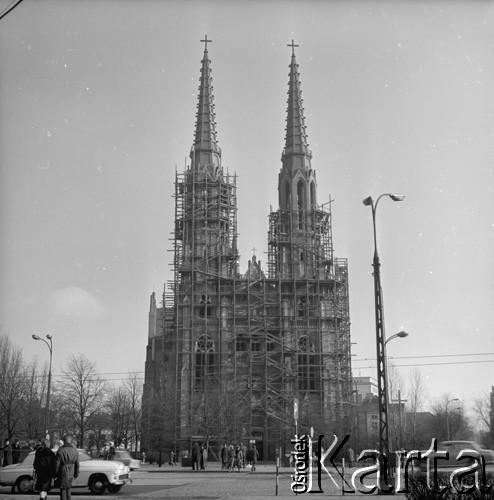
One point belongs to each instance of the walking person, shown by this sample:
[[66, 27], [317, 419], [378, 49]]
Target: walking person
[[351, 456], [7, 452], [204, 457], [231, 458], [16, 451], [196, 456], [224, 457], [239, 458], [67, 467], [254, 457], [44, 467]]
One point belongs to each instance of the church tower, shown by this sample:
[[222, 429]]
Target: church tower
[[229, 353], [312, 284]]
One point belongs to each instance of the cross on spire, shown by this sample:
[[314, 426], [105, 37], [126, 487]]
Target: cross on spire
[[254, 251], [292, 45], [206, 42]]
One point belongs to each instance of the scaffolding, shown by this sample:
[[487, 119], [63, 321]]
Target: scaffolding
[[237, 350]]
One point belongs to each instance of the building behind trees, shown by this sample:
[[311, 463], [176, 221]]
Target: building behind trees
[[229, 353]]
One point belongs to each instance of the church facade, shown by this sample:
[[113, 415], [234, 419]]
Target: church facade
[[248, 356]]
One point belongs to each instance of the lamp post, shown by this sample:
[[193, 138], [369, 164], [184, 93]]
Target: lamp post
[[382, 386], [447, 415], [400, 335], [50, 347]]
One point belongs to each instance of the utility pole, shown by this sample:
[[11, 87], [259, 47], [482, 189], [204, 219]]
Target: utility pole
[[399, 444]]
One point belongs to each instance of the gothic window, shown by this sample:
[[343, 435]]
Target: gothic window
[[307, 368], [300, 203], [204, 359], [287, 195], [205, 306], [312, 194], [256, 345], [241, 344], [302, 302]]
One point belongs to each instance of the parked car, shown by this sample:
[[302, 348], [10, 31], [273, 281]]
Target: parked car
[[126, 458], [97, 475]]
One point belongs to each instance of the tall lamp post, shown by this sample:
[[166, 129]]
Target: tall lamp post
[[399, 335], [50, 347], [382, 385], [447, 415]]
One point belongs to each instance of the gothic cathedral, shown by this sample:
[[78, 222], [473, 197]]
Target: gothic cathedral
[[248, 357]]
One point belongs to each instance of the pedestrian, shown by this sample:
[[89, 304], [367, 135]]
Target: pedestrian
[[172, 458], [239, 458], [16, 451], [244, 452], [231, 458], [44, 466], [67, 467], [204, 457], [351, 456], [224, 457], [196, 456], [7, 452], [57, 444], [111, 451], [253, 457]]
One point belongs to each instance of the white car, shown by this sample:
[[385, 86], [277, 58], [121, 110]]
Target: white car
[[97, 475], [126, 458]]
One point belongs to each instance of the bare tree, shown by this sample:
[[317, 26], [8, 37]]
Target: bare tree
[[83, 394], [134, 387], [36, 387], [417, 397], [396, 391], [450, 420], [118, 408], [483, 411], [12, 386]]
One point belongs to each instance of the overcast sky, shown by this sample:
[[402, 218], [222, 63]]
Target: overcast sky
[[98, 102]]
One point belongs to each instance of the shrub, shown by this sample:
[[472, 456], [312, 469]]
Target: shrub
[[419, 489]]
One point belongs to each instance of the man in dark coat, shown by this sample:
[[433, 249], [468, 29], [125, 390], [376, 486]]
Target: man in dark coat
[[67, 467], [196, 456], [44, 465], [16, 451], [224, 457]]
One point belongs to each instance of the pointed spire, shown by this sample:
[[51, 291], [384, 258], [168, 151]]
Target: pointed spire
[[296, 136], [205, 151]]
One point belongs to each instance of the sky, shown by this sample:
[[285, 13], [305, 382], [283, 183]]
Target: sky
[[98, 101]]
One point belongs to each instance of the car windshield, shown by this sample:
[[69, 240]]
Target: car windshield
[[29, 459], [83, 456], [122, 454]]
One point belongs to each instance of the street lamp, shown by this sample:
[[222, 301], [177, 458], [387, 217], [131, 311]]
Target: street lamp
[[399, 335], [50, 347], [447, 415], [382, 386]]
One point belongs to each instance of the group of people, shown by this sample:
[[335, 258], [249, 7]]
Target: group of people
[[63, 466], [11, 452], [199, 457], [238, 457]]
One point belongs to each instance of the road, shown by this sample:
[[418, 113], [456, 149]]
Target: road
[[151, 482]]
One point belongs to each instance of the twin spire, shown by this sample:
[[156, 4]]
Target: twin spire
[[206, 151]]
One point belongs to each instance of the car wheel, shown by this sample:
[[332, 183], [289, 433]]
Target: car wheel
[[25, 484], [98, 484], [114, 488]]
